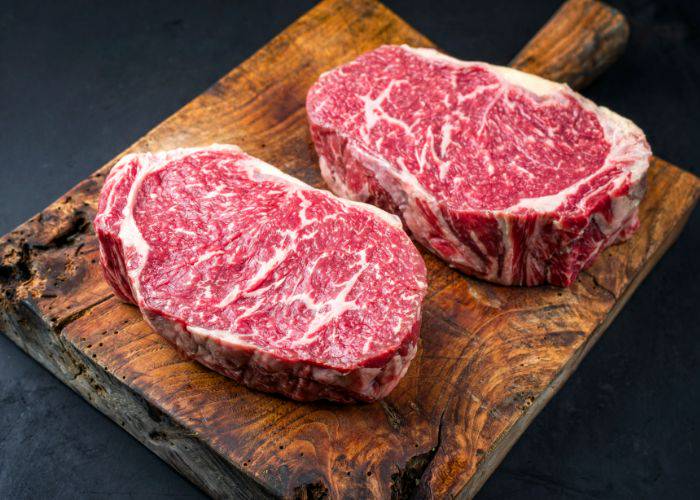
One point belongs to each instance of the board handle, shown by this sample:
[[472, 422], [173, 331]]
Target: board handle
[[577, 44]]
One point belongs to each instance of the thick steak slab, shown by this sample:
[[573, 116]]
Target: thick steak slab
[[504, 175], [278, 285]]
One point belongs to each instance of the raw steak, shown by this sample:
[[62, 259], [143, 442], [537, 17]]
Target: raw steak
[[504, 175], [255, 274]]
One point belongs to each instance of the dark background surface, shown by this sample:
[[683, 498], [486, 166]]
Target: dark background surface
[[81, 81]]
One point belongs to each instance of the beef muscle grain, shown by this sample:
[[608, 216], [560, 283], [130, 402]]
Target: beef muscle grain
[[504, 175], [280, 286]]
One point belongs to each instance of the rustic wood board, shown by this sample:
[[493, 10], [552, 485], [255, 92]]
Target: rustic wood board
[[490, 358]]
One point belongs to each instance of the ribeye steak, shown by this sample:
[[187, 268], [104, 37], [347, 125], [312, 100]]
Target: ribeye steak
[[504, 175], [255, 274]]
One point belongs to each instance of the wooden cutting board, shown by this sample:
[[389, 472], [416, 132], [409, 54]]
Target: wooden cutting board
[[490, 357]]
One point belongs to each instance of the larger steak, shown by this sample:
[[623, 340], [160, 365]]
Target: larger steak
[[504, 175], [278, 285]]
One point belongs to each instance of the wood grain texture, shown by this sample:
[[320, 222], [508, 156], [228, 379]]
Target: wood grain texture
[[490, 357], [581, 40]]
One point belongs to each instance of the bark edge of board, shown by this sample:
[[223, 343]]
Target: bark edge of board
[[58, 309]]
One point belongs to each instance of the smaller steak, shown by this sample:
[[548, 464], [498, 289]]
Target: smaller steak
[[504, 175], [280, 286]]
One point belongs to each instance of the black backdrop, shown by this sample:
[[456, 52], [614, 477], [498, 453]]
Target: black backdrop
[[80, 81]]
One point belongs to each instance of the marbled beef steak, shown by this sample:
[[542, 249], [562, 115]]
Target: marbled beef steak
[[507, 176], [255, 274]]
